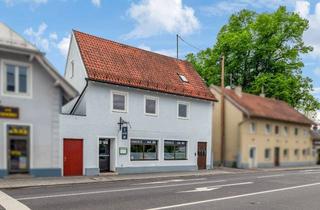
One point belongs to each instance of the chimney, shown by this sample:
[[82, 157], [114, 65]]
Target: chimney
[[238, 91]]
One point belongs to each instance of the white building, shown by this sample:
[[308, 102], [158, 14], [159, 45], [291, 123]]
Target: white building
[[32, 93], [138, 111]]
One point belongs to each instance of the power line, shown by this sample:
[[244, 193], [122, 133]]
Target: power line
[[190, 45]]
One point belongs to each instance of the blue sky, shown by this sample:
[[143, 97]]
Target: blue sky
[[148, 24]]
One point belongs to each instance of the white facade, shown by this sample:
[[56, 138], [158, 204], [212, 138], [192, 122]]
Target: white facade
[[101, 121], [94, 118]]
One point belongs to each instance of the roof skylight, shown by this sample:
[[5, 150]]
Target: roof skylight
[[183, 78]]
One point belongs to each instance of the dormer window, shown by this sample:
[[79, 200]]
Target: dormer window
[[183, 78]]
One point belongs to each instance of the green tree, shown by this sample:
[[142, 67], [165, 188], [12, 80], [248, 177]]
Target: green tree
[[261, 51]]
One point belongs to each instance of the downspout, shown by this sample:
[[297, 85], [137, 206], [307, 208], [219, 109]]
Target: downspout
[[79, 99]]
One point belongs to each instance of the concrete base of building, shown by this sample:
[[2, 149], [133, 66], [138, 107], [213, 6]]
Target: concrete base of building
[[3, 173], [45, 172], [283, 164], [154, 169], [92, 171]]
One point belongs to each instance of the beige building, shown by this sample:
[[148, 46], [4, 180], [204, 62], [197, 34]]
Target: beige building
[[260, 132]]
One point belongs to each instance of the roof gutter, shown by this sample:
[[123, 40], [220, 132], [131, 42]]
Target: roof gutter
[[80, 97], [141, 88]]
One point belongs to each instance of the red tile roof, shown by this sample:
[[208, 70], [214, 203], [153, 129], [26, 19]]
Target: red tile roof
[[262, 107], [120, 64]]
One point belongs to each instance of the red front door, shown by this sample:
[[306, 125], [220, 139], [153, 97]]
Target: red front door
[[202, 155], [72, 157]]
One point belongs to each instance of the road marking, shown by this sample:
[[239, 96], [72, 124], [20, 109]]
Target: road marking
[[236, 196], [170, 181], [270, 176], [10, 203], [206, 189], [116, 190]]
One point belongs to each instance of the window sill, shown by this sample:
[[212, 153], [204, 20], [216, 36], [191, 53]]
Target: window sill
[[174, 159], [145, 160], [119, 111]]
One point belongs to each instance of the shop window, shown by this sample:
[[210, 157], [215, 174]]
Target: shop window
[[268, 128], [151, 105], [253, 127], [17, 80], [119, 102], [267, 154], [175, 150], [183, 110], [142, 149]]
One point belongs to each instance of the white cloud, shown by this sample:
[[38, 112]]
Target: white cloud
[[228, 7], [37, 37], [167, 52], [53, 36], [63, 45], [47, 41], [303, 8], [312, 35], [154, 17], [96, 3], [12, 2]]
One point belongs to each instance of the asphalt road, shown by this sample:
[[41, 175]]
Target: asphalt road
[[245, 191]]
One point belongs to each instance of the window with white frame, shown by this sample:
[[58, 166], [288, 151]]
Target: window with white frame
[[151, 105], [16, 79], [267, 154], [286, 153], [253, 127], [183, 110], [268, 129], [119, 101], [286, 130]]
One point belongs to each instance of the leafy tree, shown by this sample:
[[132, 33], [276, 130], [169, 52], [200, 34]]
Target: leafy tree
[[261, 51]]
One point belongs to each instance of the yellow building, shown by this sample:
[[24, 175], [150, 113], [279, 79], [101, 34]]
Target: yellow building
[[260, 132]]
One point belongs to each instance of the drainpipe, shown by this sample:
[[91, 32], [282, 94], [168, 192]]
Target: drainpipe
[[222, 152], [79, 99]]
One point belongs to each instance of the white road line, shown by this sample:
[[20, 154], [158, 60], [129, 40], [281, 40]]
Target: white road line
[[117, 190], [236, 196], [270, 176], [210, 188], [10, 203], [170, 181]]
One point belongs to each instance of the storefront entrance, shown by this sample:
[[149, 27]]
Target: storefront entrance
[[104, 155], [18, 137]]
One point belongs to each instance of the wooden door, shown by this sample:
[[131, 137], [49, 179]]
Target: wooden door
[[277, 156], [202, 155], [72, 157]]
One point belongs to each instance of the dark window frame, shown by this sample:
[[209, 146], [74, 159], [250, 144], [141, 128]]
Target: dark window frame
[[143, 143], [175, 144]]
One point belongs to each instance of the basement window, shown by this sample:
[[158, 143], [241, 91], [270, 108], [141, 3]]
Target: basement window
[[183, 78]]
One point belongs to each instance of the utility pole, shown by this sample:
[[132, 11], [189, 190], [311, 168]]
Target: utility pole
[[177, 46], [222, 114]]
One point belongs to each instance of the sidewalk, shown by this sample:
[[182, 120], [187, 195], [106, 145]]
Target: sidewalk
[[21, 182]]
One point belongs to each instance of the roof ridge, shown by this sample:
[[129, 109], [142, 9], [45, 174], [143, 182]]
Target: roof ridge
[[130, 46]]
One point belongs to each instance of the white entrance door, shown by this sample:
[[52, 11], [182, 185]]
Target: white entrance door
[[252, 157]]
